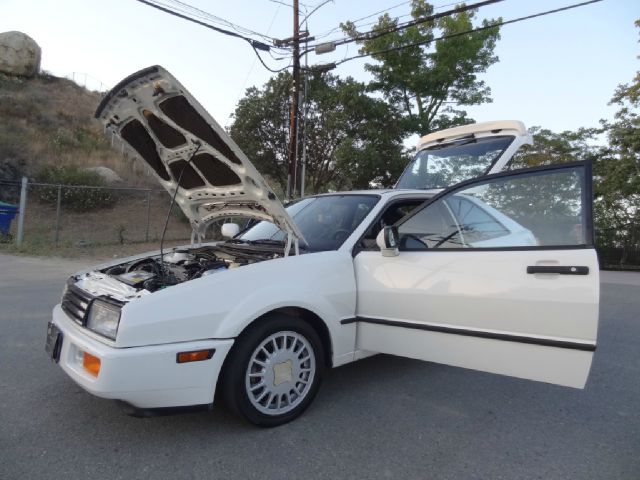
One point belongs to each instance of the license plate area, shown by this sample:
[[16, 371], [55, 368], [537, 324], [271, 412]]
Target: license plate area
[[53, 344]]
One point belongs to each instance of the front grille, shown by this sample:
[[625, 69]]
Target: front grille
[[75, 303]]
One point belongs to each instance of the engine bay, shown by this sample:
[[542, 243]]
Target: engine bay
[[180, 265]]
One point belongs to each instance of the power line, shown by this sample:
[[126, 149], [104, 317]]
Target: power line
[[314, 10], [253, 64], [463, 8], [473, 30], [193, 11], [335, 29], [288, 4], [197, 12], [381, 11], [266, 66], [380, 33], [254, 43], [408, 14]]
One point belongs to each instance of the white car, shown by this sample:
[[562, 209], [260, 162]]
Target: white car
[[496, 273]]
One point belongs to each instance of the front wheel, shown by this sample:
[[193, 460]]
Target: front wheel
[[274, 371]]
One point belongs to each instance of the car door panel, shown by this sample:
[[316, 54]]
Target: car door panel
[[473, 297]]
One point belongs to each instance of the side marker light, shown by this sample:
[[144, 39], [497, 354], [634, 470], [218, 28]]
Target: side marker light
[[196, 356]]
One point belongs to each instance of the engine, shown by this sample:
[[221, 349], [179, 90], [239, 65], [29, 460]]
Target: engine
[[153, 273]]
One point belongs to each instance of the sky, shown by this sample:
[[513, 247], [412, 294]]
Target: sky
[[558, 71]]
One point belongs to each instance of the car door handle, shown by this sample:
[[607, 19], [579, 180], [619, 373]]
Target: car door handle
[[562, 270]]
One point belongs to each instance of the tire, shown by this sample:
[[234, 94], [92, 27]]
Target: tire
[[274, 370]]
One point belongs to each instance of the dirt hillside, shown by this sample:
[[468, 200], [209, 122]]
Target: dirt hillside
[[47, 120]]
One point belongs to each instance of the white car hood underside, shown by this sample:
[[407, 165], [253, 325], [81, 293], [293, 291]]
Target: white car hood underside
[[153, 113]]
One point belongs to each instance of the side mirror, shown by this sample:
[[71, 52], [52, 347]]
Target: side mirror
[[388, 241], [230, 230]]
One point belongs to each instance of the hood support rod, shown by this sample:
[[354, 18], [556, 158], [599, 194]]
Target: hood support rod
[[291, 238]]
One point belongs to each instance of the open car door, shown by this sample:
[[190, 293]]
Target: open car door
[[497, 274]]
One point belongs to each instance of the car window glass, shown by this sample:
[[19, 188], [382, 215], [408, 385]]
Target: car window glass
[[433, 227], [325, 221], [543, 208], [445, 165], [479, 222], [392, 214]]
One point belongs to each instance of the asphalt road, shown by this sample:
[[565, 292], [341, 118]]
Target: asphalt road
[[383, 417]]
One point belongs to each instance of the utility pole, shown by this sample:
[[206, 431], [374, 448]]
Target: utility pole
[[303, 167], [293, 114]]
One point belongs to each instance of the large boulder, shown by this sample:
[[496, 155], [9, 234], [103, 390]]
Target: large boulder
[[19, 54]]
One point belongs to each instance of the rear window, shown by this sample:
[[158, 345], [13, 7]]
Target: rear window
[[445, 165]]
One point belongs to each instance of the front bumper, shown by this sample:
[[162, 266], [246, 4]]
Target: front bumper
[[145, 377]]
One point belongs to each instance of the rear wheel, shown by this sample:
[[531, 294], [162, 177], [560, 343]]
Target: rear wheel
[[274, 370]]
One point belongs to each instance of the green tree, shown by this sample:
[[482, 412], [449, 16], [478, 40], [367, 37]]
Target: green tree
[[551, 147], [261, 127], [619, 173], [615, 179], [353, 140], [425, 81]]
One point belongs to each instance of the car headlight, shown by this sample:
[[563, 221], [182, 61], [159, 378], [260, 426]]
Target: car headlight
[[104, 318]]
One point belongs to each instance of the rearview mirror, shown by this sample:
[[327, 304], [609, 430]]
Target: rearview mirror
[[230, 230], [387, 241]]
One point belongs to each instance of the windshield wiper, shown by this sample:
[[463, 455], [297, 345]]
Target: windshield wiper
[[263, 241], [457, 142], [270, 241]]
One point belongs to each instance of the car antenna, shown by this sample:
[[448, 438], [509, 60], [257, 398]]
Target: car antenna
[[173, 199]]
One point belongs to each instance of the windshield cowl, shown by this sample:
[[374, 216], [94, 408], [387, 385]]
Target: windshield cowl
[[268, 243]]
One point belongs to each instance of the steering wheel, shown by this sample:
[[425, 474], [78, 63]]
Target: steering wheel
[[340, 234]]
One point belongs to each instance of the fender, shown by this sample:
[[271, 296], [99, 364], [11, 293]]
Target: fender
[[296, 295], [222, 305]]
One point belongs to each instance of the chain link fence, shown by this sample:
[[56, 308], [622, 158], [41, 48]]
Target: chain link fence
[[619, 250], [79, 216]]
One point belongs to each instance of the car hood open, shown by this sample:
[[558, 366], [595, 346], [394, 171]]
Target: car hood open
[[153, 113]]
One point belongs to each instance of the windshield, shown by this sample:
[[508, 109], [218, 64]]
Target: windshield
[[325, 221], [444, 165]]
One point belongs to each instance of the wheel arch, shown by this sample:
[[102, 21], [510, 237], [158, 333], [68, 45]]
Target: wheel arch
[[318, 325], [312, 318]]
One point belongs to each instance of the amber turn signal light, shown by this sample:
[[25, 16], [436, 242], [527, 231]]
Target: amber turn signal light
[[91, 364], [196, 356]]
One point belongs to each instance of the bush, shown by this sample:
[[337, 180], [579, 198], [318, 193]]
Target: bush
[[77, 138], [79, 199]]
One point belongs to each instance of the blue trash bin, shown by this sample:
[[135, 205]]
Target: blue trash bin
[[7, 213]]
